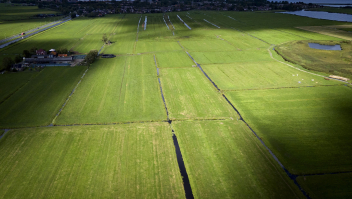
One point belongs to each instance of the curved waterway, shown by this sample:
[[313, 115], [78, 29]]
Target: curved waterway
[[322, 15]]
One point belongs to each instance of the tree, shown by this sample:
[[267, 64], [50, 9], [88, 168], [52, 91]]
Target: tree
[[26, 53], [105, 38], [18, 59], [7, 62], [33, 51], [90, 58], [62, 51], [73, 15]]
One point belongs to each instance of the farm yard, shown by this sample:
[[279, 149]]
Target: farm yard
[[209, 110]]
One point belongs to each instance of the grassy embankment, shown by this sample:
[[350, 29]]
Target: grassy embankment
[[328, 61]]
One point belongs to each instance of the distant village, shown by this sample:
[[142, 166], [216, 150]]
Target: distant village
[[94, 8]]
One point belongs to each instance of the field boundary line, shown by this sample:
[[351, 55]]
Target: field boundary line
[[269, 160], [123, 77], [271, 55], [182, 167], [250, 89], [161, 90], [68, 98], [6, 130], [320, 174], [291, 176]]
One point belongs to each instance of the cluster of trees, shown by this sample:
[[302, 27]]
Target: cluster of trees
[[106, 40], [91, 56]]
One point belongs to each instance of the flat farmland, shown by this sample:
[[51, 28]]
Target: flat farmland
[[229, 155], [189, 95], [120, 161], [231, 57], [327, 186], [111, 137], [37, 103], [307, 128], [122, 89], [173, 59], [13, 81], [124, 37], [208, 45], [261, 75], [14, 13]]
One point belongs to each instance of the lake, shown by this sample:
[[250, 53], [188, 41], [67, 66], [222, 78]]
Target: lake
[[324, 47], [322, 15]]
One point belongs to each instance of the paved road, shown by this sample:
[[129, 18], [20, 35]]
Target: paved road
[[35, 31]]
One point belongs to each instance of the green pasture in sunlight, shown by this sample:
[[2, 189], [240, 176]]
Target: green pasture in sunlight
[[190, 95], [307, 128], [37, 103], [173, 59], [231, 57], [261, 75], [121, 89], [158, 47], [11, 82], [120, 161], [14, 13], [224, 160], [327, 186], [328, 61]]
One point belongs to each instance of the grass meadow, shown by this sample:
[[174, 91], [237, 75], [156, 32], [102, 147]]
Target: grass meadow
[[307, 128], [88, 153], [37, 102], [327, 186], [261, 75], [120, 161], [189, 95], [229, 155], [330, 62], [12, 82], [123, 89]]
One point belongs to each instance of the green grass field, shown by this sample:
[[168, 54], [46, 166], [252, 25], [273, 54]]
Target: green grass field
[[307, 128], [330, 62], [260, 75], [120, 161], [230, 156], [173, 60], [37, 103], [123, 89], [327, 186], [12, 82], [189, 95]]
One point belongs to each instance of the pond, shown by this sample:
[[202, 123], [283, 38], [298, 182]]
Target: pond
[[322, 15], [324, 47]]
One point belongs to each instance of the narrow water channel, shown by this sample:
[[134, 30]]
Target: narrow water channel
[[181, 165]]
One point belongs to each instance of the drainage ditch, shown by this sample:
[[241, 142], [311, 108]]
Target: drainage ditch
[[292, 176], [161, 89], [181, 165]]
